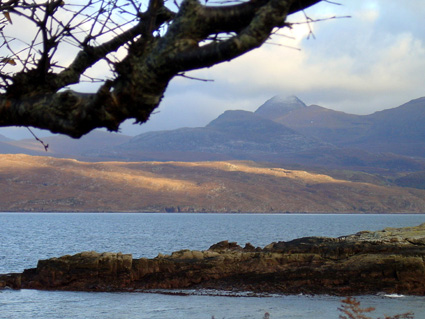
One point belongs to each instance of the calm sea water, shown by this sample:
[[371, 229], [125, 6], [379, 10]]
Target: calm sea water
[[26, 238]]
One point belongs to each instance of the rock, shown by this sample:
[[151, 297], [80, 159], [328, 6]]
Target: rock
[[83, 271], [10, 281], [390, 261], [225, 245], [188, 254]]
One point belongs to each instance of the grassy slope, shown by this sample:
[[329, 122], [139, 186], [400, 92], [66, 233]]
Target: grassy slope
[[31, 183]]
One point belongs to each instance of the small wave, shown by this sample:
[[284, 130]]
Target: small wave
[[207, 292], [392, 295]]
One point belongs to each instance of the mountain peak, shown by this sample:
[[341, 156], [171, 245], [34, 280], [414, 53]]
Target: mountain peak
[[279, 105], [280, 98], [231, 117]]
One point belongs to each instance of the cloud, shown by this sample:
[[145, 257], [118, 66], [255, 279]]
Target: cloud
[[358, 65]]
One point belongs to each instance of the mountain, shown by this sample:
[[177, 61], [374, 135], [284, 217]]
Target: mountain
[[4, 138], [279, 106], [9, 147], [399, 130], [402, 123], [233, 135], [41, 183], [328, 125], [93, 144], [284, 131]]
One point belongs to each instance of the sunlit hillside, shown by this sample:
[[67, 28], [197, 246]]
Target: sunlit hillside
[[31, 183]]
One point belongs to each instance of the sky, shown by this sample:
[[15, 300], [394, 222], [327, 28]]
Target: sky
[[372, 61]]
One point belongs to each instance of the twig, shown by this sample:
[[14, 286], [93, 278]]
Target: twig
[[283, 45], [46, 146], [193, 78], [332, 2], [310, 20]]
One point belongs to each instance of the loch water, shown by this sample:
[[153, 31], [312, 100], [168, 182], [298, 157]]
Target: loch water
[[27, 237]]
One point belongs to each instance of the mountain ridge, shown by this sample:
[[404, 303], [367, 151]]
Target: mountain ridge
[[397, 130], [284, 131], [310, 135]]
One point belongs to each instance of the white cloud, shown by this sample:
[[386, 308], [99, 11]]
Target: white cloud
[[357, 65], [369, 11]]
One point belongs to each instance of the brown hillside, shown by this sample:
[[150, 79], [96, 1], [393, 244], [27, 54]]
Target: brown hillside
[[31, 183]]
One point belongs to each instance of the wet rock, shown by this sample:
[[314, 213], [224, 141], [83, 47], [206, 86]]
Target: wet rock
[[10, 281], [225, 245], [83, 271], [391, 261]]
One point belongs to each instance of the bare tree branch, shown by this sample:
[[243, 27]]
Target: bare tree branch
[[159, 44]]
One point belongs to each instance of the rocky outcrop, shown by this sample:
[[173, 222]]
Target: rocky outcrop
[[391, 261]]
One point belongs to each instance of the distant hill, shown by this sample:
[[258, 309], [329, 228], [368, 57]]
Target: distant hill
[[403, 123], [284, 131], [9, 147], [63, 146], [234, 135], [328, 125], [35, 183], [4, 138], [415, 180], [399, 130]]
